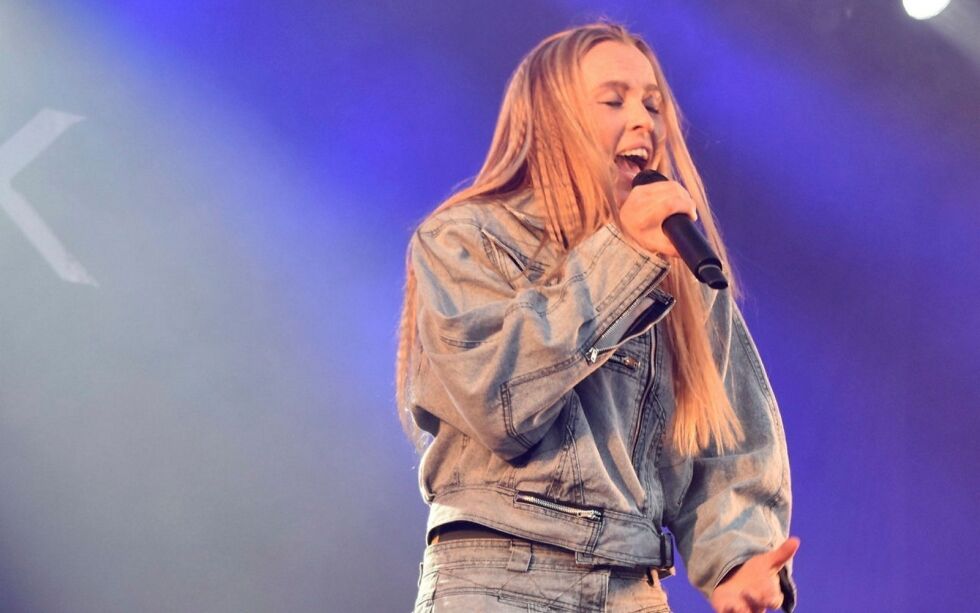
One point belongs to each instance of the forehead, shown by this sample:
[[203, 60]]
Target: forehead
[[613, 61]]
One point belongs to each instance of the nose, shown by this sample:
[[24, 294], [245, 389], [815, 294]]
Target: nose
[[640, 118]]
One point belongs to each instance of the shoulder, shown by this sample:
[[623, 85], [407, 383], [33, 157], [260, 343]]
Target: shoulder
[[505, 220], [495, 237]]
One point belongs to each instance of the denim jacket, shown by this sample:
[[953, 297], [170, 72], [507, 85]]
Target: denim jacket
[[550, 402]]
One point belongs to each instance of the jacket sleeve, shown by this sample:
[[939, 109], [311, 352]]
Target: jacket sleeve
[[724, 509], [498, 358]]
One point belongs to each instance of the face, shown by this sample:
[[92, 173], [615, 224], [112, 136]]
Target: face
[[624, 101]]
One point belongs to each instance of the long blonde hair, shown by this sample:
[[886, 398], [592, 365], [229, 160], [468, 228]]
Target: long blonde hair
[[544, 105]]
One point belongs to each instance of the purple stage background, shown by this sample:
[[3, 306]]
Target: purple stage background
[[203, 214]]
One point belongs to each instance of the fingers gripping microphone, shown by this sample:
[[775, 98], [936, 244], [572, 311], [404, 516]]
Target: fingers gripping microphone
[[690, 243]]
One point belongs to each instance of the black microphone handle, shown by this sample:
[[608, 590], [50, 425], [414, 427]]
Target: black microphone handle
[[692, 246], [695, 250]]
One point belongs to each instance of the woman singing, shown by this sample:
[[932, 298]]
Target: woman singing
[[583, 396]]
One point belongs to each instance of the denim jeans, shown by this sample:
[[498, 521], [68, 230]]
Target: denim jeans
[[500, 575]]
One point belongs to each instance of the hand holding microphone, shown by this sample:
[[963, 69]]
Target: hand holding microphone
[[659, 215]]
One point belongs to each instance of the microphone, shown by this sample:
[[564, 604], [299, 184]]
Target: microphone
[[690, 243]]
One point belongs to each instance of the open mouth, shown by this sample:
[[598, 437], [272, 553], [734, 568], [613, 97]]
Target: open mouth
[[632, 161]]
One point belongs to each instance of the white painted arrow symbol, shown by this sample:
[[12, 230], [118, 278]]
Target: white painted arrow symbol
[[15, 154]]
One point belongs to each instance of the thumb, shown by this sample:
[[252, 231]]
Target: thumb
[[779, 556]]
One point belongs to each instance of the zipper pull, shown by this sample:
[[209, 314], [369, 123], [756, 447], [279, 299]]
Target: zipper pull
[[591, 355]]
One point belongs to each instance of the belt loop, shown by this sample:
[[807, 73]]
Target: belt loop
[[419, 582], [520, 556], [666, 549]]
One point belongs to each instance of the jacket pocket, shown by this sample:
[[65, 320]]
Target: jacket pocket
[[512, 264], [550, 468], [557, 506], [625, 362]]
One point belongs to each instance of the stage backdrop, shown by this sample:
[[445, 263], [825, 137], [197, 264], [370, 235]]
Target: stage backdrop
[[203, 213]]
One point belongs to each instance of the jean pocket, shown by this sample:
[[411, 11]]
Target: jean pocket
[[494, 588], [427, 588], [478, 602], [636, 595]]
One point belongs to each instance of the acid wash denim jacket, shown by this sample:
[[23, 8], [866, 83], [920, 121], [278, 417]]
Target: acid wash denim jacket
[[549, 401]]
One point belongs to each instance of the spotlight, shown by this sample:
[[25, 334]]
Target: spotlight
[[924, 9]]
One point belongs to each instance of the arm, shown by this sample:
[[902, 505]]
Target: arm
[[725, 510], [498, 360]]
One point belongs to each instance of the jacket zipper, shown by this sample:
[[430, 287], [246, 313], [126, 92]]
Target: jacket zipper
[[593, 353], [626, 360], [646, 391], [590, 514]]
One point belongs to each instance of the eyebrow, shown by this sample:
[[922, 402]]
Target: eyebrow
[[650, 87]]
